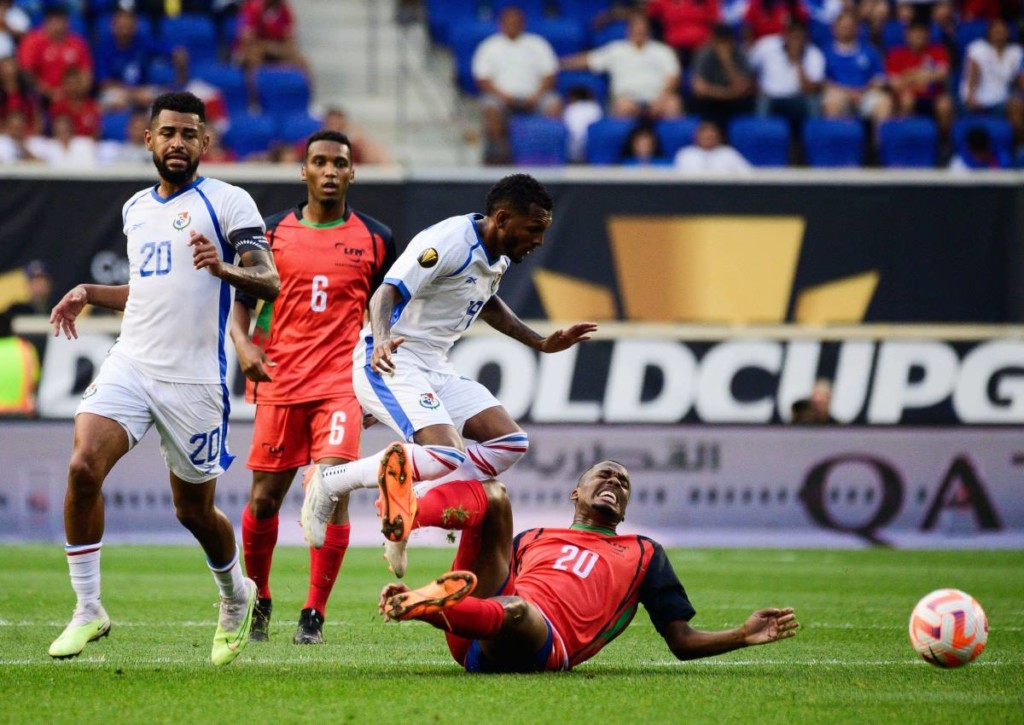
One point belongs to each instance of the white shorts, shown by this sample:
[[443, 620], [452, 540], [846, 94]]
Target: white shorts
[[416, 396], [192, 419]]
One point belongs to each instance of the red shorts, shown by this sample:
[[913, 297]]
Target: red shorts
[[290, 436]]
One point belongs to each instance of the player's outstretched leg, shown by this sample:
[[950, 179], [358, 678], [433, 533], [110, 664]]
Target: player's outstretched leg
[[233, 625], [444, 592], [317, 507], [396, 505]]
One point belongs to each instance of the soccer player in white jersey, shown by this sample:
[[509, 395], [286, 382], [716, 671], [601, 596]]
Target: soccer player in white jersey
[[445, 279], [167, 367]]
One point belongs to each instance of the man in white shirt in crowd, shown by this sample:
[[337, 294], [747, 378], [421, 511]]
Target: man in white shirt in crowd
[[790, 74], [515, 72], [710, 154], [644, 72], [992, 74]]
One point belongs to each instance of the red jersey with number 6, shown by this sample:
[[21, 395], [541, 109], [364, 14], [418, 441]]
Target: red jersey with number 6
[[588, 583], [328, 273]]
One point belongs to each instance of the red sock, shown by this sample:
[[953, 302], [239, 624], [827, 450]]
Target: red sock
[[259, 537], [324, 564], [452, 505], [471, 618]]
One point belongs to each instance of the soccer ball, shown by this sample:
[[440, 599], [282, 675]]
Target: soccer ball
[[948, 628]]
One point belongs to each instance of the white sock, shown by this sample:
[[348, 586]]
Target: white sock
[[428, 463], [84, 567], [229, 578], [491, 458]]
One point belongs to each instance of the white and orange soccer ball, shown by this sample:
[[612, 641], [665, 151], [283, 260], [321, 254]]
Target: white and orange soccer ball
[[948, 628]]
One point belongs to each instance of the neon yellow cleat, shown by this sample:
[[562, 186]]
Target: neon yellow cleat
[[75, 636], [233, 626]]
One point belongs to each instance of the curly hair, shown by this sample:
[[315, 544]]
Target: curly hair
[[517, 193], [179, 102]]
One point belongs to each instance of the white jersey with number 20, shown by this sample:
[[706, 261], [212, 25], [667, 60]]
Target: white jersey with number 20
[[175, 320]]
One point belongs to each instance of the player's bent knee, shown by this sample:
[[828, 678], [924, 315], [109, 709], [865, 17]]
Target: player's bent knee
[[264, 505], [85, 476], [497, 494], [517, 612]]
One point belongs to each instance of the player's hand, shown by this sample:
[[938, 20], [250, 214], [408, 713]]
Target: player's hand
[[204, 253], [770, 625], [387, 592], [64, 313], [564, 339], [381, 362], [254, 362]]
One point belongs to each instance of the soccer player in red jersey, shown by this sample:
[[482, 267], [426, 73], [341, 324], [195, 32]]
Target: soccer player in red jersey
[[299, 364], [561, 594]]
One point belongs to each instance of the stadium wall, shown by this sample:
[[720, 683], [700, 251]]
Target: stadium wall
[[692, 485]]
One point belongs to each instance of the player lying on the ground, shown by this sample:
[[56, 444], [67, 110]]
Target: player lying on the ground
[[555, 597]]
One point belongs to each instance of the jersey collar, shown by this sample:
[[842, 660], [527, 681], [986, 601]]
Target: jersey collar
[[473, 219], [345, 216], [594, 529], [199, 180]]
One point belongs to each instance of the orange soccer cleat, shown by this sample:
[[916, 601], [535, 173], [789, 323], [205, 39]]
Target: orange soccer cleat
[[397, 502], [444, 592]]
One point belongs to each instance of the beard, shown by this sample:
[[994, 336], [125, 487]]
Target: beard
[[175, 177]]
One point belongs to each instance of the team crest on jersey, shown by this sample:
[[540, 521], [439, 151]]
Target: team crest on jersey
[[429, 401], [428, 258], [90, 391], [182, 220]]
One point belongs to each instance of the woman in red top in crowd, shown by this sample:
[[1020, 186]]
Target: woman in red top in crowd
[[772, 17], [686, 24]]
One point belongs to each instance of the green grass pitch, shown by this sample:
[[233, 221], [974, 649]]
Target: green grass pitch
[[851, 663]]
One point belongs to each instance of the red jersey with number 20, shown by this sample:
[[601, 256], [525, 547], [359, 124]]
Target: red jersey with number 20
[[328, 273], [588, 582]]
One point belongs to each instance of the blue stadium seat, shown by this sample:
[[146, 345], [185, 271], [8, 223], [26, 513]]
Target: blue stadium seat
[[160, 72], [103, 33], [968, 31], [909, 143], [610, 32], [297, 127], [534, 9], [583, 10], [598, 85], [675, 134], [231, 82], [282, 91], [464, 38], [605, 139], [443, 16], [249, 134], [195, 32], [537, 141], [762, 141], [566, 36], [114, 125], [833, 142], [999, 129]]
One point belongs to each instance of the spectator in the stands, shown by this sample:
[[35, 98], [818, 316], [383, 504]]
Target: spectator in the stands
[[723, 82], [979, 154], [710, 154], [17, 141], [40, 291], [855, 79], [365, 150], [14, 23], [918, 74], [64, 149], [944, 20], [581, 110], [873, 15], [644, 73], [49, 50], [772, 17], [16, 95], [209, 94], [643, 147], [992, 77], [216, 152], [132, 150], [686, 25], [266, 34], [122, 63], [982, 9], [790, 75], [74, 102], [515, 72], [816, 409]]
